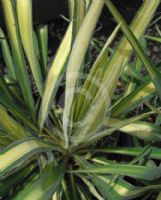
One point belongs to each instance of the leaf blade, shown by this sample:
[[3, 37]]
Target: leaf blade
[[24, 13], [19, 152]]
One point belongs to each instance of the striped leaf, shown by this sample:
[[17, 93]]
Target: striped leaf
[[142, 130], [113, 72], [108, 131], [79, 10], [91, 188], [134, 171], [43, 187], [19, 152], [24, 13], [154, 73], [134, 99], [14, 129], [42, 35], [76, 58], [16, 110], [10, 182], [120, 190], [54, 76], [7, 56], [71, 9], [110, 187], [131, 151], [17, 53], [94, 79]]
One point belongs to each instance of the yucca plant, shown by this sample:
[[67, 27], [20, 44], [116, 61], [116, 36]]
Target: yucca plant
[[50, 151]]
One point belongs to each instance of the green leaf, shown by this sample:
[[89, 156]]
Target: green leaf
[[37, 48], [4, 139], [54, 76], [43, 187], [16, 110], [94, 79], [124, 50], [120, 190], [75, 62], [108, 131], [91, 188], [129, 70], [159, 196], [71, 9], [17, 53], [154, 73], [131, 151], [24, 13], [83, 193], [7, 56], [155, 39], [109, 187], [13, 128], [3, 85], [135, 98], [79, 10], [112, 73], [10, 182], [9, 101], [142, 130], [19, 152], [134, 171], [74, 192], [42, 35]]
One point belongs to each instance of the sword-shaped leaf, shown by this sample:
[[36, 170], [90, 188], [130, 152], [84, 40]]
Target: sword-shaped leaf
[[24, 13], [94, 79], [102, 101], [108, 131], [18, 152], [79, 11], [110, 187], [13, 128], [143, 130], [55, 75], [43, 187], [17, 53], [154, 73], [76, 59], [134, 171], [42, 35], [7, 56], [131, 151], [10, 182], [135, 98], [120, 190]]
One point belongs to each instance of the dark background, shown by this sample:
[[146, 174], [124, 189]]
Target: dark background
[[47, 10], [44, 10]]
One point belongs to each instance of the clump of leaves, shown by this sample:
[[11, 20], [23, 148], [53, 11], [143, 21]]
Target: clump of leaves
[[53, 152]]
